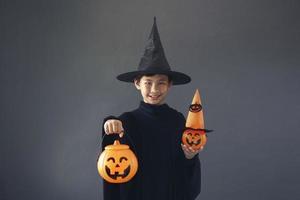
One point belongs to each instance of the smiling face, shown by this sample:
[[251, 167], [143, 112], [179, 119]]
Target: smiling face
[[194, 138], [117, 167], [117, 164], [154, 89]]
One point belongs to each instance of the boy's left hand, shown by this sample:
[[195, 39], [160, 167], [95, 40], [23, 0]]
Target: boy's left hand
[[190, 152]]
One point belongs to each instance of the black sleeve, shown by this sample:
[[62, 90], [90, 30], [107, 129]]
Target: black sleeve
[[193, 178], [192, 175]]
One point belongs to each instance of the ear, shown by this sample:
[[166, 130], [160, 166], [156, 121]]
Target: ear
[[137, 84]]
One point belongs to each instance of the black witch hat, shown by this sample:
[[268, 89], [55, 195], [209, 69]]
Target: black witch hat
[[154, 62]]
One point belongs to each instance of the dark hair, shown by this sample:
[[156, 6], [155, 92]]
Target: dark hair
[[138, 77]]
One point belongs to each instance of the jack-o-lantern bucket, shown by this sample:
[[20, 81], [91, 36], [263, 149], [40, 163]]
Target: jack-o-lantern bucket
[[117, 163]]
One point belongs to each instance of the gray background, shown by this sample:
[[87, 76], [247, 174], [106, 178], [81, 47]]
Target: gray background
[[58, 63]]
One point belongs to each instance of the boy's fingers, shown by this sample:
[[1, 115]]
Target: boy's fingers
[[183, 147], [110, 128], [119, 123], [105, 128], [186, 149], [115, 127], [191, 149], [121, 133]]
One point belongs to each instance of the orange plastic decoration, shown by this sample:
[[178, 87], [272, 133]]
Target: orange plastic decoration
[[195, 135], [117, 163]]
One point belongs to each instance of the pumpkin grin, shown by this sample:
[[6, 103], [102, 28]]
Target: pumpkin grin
[[191, 143], [194, 138], [117, 174]]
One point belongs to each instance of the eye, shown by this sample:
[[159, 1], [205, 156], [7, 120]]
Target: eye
[[147, 83], [190, 134], [111, 158], [197, 134], [123, 158]]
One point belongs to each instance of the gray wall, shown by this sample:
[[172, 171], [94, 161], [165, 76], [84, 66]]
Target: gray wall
[[58, 63]]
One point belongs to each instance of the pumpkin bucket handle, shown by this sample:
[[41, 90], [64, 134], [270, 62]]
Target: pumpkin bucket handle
[[129, 138]]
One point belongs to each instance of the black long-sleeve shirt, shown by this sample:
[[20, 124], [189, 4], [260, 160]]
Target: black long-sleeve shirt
[[154, 134]]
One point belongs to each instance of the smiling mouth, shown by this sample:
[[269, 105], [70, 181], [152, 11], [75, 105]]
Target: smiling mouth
[[154, 97], [116, 175], [192, 142]]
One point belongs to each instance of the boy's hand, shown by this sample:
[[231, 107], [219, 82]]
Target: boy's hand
[[114, 126], [189, 152]]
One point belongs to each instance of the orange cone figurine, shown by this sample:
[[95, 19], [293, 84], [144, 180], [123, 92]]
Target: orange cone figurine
[[194, 134]]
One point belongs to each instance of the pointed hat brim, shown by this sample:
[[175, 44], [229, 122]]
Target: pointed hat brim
[[177, 78]]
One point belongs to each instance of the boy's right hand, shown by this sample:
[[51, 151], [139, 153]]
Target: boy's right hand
[[114, 126]]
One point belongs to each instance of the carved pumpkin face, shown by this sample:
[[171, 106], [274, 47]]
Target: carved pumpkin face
[[117, 163], [194, 138]]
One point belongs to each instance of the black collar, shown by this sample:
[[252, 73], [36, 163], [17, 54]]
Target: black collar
[[153, 109]]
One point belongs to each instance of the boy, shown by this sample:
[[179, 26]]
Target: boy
[[167, 171]]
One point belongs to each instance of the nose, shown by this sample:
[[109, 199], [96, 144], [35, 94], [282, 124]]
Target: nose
[[154, 87]]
